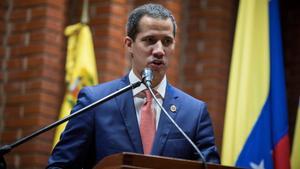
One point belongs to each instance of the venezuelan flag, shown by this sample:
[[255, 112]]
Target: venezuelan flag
[[81, 69], [256, 124]]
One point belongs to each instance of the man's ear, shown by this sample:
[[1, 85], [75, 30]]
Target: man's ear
[[128, 43]]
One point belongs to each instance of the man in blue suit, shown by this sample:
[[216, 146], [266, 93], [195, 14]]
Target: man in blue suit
[[114, 126]]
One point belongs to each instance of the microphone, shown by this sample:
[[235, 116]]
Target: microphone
[[147, 77]]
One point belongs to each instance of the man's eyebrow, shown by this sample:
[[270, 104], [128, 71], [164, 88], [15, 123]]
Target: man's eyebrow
[[170, 37]]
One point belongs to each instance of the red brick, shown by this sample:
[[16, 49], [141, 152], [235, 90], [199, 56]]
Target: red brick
[[2, 27], [2, 13], [45, 61], [9, 136], [2, 76], [15, 123], [2, 52], [47, 12], [34, 146], [52, 74], [101, 43], [120, 2], [22, 75], [37, 97], [19, 14], [10, 160], [42, 109], [23, 98], [14, 64], [34, 160], [12, 88], [34, 61], [12, 111], [228, 5], [44, 137], [207, 35], [29, 26], [218, 24], [118, 10], [35, 48], [212, 13], [38, 24], [44, 56], [32, 3], [117, 21], [114, 45], [52, 38], [16, 39], [117, 35], [103, 8], [41, 59], [100, 20], [107, 76], [46, 86], [173, 6]]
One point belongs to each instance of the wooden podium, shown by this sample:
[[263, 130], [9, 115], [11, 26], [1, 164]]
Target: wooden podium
[[140, 161]]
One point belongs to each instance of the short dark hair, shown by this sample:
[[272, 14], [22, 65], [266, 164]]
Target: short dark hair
[[151, 10]]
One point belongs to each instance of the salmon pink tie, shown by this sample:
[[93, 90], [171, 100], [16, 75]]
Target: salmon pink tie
[[147, 124]]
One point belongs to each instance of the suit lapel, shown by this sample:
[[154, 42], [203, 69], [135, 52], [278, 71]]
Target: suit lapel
[[128, 113], [165, 125]]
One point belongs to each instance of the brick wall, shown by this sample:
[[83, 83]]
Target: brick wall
[[42, 37], [107, 22], [208, 34], [32, 59], [32, 51]]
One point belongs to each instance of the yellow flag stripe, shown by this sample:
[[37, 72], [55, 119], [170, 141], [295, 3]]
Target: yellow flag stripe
[[249, 77], [295, 159]]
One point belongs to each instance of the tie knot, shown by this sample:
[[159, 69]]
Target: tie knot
[[148, 95]]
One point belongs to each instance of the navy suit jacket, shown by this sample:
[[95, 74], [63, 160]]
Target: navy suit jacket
[[112, 127]]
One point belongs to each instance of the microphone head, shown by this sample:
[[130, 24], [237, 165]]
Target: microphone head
[[147, 76]]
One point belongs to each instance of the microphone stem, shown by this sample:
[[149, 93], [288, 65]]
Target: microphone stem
[[178, 128]]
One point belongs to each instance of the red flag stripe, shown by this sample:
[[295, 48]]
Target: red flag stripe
[[281, 154]]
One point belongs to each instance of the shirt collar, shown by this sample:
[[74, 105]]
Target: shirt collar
[[160, 88]]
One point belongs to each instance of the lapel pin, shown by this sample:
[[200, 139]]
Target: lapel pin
[[173, 108]]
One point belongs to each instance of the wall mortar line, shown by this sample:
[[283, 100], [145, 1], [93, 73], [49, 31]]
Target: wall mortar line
[[6, 57]]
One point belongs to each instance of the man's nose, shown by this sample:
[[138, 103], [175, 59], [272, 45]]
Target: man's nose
[[158, 50]]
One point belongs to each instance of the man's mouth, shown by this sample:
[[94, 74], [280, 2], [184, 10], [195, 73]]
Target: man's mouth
[[157, 63]]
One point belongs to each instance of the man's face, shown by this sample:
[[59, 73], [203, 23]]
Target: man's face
[[153, 46]]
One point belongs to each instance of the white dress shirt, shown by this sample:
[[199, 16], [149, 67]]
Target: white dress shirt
[[138, 102]]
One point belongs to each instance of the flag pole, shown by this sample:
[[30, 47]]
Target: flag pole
[[85, 12]]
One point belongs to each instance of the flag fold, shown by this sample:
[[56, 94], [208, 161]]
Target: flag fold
[[256, 124], [80, 68]]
